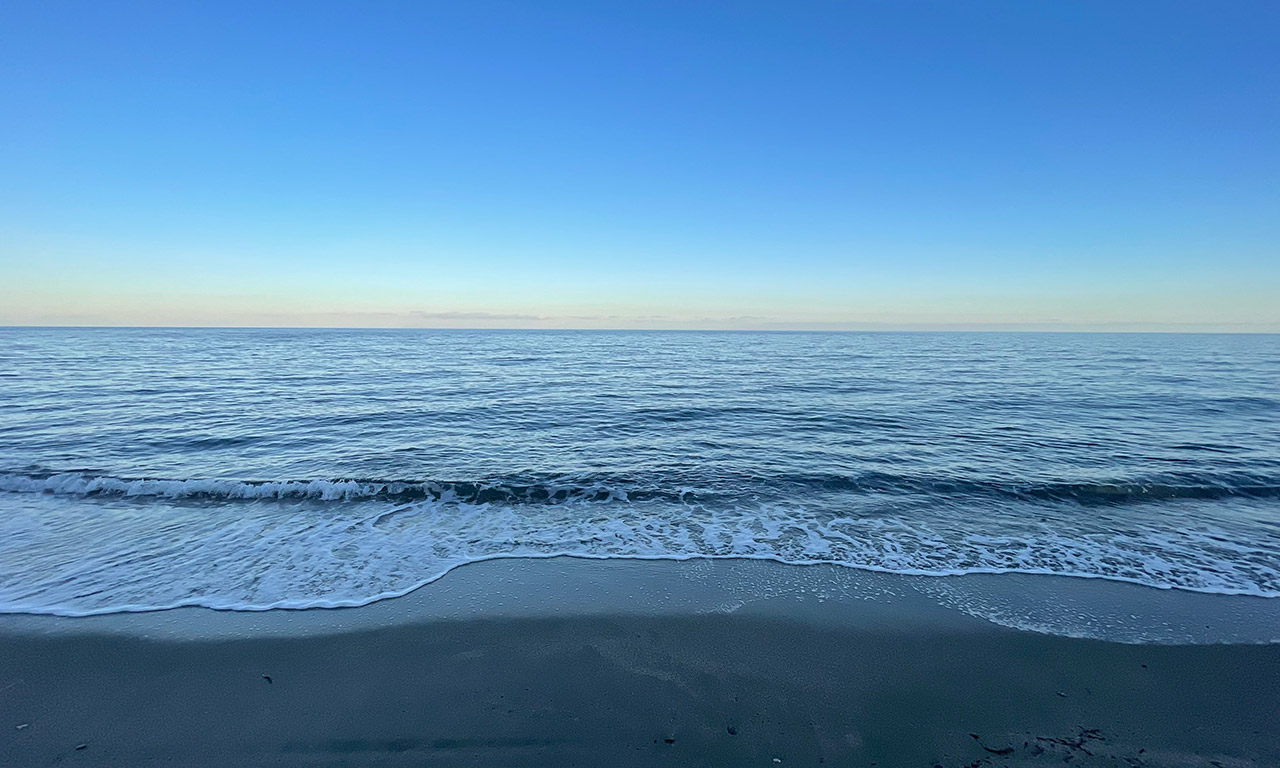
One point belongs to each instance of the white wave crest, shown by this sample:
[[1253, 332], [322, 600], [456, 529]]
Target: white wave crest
[[81, 484]]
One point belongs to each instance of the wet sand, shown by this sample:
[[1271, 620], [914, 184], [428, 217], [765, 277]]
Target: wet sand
[[850, 681]]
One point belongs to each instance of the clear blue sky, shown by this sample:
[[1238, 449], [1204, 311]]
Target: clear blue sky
[[886, 164]]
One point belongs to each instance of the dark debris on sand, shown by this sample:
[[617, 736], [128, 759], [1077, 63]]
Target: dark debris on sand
[[1086, 744]]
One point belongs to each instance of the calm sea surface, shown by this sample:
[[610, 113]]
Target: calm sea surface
[[287, 468]]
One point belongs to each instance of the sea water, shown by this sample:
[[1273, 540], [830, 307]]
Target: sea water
[[257, 468]]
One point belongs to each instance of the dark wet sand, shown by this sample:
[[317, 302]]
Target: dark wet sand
[[601, 663], [637, 690]]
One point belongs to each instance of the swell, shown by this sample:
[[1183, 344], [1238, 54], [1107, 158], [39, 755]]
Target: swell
[[472, 492], [1168, 486], [1180, 485]]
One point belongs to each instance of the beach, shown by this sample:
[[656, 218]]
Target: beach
[[653, 663], [230, 547]]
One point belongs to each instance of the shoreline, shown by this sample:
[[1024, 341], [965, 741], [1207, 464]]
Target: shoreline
[[570, 584], [350, 604], [553, 663]]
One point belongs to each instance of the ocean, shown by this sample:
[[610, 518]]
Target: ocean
[[249, 469]]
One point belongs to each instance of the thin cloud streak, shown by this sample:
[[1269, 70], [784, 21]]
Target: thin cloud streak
[[463, 319]]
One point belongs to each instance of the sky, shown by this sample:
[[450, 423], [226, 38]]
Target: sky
[[1083, 165]]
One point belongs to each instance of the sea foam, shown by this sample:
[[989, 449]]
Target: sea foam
[[152, 544]]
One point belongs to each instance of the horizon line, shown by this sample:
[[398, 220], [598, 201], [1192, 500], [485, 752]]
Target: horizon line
[[933, 329]]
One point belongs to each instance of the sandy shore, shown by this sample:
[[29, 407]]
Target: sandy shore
[[853, 678]]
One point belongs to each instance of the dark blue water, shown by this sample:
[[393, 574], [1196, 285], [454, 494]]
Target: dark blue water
[[259, 468]]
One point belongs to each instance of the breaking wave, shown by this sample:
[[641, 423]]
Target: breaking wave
[[1170, 486], [79, 544]]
